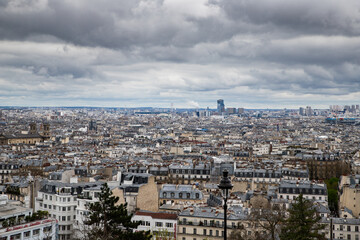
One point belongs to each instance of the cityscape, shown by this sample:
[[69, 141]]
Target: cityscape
[[179, 120], [166, 166]]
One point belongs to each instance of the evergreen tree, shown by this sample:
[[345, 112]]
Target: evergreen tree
[[303, 222], [111, 221]]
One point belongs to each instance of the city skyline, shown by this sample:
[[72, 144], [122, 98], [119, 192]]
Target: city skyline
[[181, 54]]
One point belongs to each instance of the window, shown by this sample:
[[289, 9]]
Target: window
[[63, 218], [36, 231], [180, 195], [348, 228], [169, 225], [164, 195], [27, 234], [50, 197], [45, 205], [64, 209], [204, 233], [197, 195], [158, 224], [217, 232], [210, 233], [184, 230], [16, 236], [194, 230], [356, 228], [188, 195], [69, 208]]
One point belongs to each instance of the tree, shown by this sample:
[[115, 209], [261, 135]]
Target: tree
[[303, 222], [332, 187], [111, 221], [268, 221]]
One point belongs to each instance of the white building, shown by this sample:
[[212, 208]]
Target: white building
[[290, 190], [42, 229], [60, 200], [160, 224]]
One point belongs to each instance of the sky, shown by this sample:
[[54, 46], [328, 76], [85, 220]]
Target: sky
[[185, 53]]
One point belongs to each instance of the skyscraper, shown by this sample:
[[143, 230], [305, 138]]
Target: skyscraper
[[220, 106]]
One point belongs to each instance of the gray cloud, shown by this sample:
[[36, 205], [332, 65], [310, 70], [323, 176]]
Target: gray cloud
[[252, 52]]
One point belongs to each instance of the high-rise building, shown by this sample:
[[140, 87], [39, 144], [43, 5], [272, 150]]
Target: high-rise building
[[231, 110], [301, 111], [309, 111], [240, 110], [220, 106]]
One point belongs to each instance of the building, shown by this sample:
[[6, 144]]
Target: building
[[161, 225], [220, 106], [208, 223], [231, 110], [349, 189], [32, 137], [179, 193], [290, 190], [345, 228], [60, 200], [41, 229]]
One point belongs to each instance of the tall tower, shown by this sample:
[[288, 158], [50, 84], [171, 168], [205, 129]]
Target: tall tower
[[46, 130], [220, 106], [33, 129]]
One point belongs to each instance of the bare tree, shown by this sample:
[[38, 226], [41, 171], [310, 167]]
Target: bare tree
[[267, 221]]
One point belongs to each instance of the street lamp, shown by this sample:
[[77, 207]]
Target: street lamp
[[225, 185]]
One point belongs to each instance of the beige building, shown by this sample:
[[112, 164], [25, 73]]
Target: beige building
[[350, 194], [32, 137], [208, 223]]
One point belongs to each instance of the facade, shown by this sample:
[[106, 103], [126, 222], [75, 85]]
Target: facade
[[179, 193], [60, 200], [291, 190], [186, 174], [220, 106], [31, 138], [45, 229], [7, 170], [161, 225], [349, 190], [345, 228], [208, 223]]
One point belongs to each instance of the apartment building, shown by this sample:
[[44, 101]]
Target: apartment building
[[208, 223], [290, 190], [60, 200], [346, 228], [45, 229], [179, 193], [349, 189], [161, 225]]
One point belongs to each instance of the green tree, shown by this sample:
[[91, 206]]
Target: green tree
[[332, 187], [111, 221], [303, 222]]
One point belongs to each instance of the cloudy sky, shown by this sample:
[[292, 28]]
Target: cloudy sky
[[128, 53]]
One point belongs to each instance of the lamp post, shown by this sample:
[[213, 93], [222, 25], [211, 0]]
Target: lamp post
[[225, 185]]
